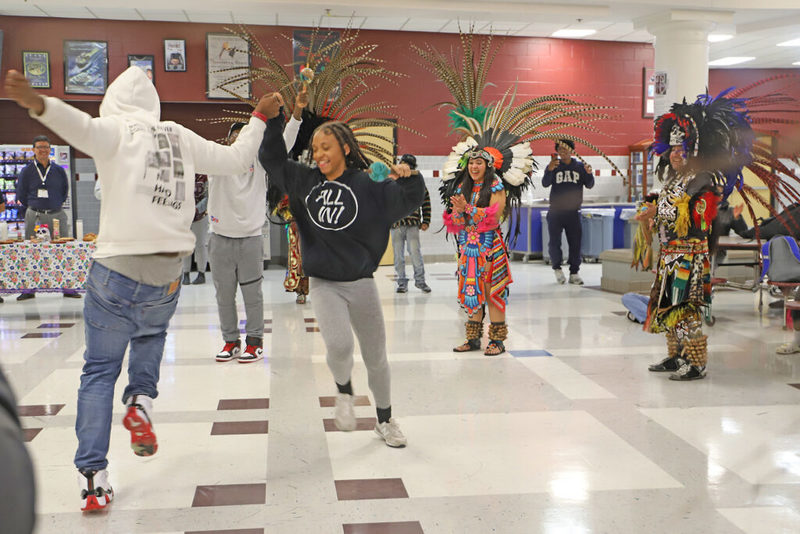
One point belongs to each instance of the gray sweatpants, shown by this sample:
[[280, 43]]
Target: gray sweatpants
[[342, 308], [238, 261], [200, 231]]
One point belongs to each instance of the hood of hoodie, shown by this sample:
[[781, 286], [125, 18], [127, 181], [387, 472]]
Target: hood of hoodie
[[134, 95]]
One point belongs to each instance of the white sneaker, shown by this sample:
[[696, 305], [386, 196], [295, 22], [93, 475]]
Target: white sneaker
[[575, 279], [391, 434], [559, 276], [345, 414], [96, 492], [788, 348]]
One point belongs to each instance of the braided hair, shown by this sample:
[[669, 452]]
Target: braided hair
[[344, 136]]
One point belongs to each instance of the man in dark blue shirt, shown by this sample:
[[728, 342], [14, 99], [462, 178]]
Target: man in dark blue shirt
[[42, 188], [567, 177]]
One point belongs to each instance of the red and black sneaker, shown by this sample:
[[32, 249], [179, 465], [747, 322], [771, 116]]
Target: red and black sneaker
[[253, 351], [230, 351], [96, 492], [137, 420]]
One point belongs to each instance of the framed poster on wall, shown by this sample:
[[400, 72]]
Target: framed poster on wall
[[36, 68], [174, 55], [146, 63], [85, 67], [226, 55]]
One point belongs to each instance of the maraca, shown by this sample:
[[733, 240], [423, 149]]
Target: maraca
[[307, 74]]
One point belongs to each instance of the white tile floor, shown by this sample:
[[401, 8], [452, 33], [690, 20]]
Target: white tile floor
[[568, 433]]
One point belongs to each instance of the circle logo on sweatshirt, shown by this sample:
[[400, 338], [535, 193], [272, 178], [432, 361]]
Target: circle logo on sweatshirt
[[332, 205]]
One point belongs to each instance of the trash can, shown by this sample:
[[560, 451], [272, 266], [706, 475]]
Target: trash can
[[597, 226], [631, 225]]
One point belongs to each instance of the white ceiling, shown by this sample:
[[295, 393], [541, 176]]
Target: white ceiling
[[757, 30]]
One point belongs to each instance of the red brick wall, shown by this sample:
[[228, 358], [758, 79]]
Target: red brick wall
[[605, 72]]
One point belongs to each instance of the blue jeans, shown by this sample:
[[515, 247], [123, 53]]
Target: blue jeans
[[637, 305], [118, 311], [400, 236]]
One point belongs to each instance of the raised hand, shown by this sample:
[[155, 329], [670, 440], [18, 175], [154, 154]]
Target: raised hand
[[270, 105], [401, 170], [19, 90], [300, 102], [553, 162]]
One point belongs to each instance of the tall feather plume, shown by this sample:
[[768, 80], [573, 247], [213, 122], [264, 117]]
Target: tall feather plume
[[346, 70]]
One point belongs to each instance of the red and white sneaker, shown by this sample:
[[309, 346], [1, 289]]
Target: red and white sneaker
[[96, 492], [230, 351], [252, 353], [137, 420]]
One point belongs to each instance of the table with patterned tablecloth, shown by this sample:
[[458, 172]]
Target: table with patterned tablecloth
[[44, 267]]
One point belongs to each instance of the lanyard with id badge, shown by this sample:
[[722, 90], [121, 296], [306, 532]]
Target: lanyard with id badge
[[42, 192]]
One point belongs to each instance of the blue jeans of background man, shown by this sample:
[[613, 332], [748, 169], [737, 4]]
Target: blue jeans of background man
[[400, 236], [637, 305], [118, 311], [570, 223]]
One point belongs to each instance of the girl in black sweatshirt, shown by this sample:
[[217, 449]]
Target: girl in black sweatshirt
[[344, 219]]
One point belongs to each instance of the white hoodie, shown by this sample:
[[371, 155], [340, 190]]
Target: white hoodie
[[237, 205], [145, 167]]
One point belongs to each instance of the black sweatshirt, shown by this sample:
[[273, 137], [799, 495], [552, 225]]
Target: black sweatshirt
[[343, 223], [568, 181]]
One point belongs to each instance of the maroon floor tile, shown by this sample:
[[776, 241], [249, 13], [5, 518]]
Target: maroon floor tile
[[330, 402], [243, 404], [396, 527], [376, 488], [56, 325], [230, 494], [236, 531], [309, 320], [362, 423], [267, 321], [30, 433], [41, 335], [227, 428], [39, 409], [312, 329]]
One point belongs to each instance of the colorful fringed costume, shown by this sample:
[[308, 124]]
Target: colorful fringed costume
[[715, 137], [681, 293], [483, 258], [295, 281]]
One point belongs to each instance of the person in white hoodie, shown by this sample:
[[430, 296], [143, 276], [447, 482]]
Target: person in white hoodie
[[237, 210], [146, 169]]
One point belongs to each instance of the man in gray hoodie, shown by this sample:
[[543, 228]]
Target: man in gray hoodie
[[146, 169]]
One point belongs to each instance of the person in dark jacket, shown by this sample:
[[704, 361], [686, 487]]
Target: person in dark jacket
[[567, 176], [344, 218], [406, 230], [17, 491]]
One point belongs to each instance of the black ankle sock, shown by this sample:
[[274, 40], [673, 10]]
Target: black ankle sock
[[346, 388], [384, 414]]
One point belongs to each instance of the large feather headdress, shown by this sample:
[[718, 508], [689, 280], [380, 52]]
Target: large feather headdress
[[341, 71], [718, 134]]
